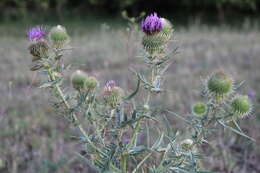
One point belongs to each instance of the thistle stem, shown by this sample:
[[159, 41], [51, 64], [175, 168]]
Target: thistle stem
[[75, 118], [124, 163]]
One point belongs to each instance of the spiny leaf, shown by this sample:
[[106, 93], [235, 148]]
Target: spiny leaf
[[157, 144], [137, 150], [236, 131]]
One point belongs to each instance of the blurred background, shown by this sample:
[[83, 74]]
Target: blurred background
[[210, 35]]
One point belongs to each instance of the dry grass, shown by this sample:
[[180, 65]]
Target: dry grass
[[34, 139]]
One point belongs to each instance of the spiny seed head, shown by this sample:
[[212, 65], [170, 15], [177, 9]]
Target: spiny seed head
[[199, 109], [91, 82], [78, 80], [241, 106], [58, 36], [39, 49], [112, 94], [36, 33], [186, 144], [152, 24], [219, 85]]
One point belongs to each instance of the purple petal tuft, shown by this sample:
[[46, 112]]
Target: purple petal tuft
[[152, 24], [36, 33]]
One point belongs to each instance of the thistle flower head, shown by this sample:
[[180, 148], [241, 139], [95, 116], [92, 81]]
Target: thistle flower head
[[110, 85], [241, 106], [58, 36], [199, 109], [152, 24], [112, 94], [78, 80], [36, 33], [219, 85], [158, 33]]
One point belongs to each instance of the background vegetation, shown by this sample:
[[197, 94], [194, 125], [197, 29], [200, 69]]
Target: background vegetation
[[21, 9]]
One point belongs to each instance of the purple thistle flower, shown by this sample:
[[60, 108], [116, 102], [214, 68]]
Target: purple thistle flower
[[152, 24], [36, 33], [111, 84]]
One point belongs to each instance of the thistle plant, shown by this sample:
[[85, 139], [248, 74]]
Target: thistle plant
[[111, 120]]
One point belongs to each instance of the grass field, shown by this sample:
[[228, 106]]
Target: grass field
[[34, 139]]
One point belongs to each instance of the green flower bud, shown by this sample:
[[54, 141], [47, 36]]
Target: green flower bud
[[58, 36], [167, 29], [199, 109], [146, 107], [241, 106], [39, 50], [91, 82], [186, 144], [219, 85], [78, 80]]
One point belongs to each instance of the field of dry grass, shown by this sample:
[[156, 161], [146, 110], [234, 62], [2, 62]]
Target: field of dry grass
[[34, 139]]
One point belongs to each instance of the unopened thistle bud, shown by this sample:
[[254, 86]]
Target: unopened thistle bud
[[112, 94], [186, 144], [78, 80], [146, 107], [91, 82], [219, 85], [167, 29], [58, 36], [241, 106], [199, 109]]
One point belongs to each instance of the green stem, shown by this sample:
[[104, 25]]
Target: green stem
[[75, 118], [124, 164]]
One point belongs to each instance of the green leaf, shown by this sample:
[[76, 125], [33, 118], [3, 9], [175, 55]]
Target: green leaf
[[49, 84], [236, 131], [137, 150], [157, 144], [180, 117]]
